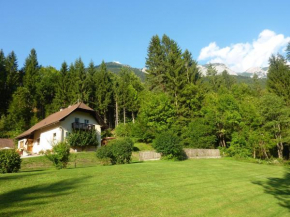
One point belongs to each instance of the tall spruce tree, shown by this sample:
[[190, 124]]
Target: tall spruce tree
[[3, 78], [104, 90], [61, 99], [91, 84], [12, 79], [278, 81], [155, 63]]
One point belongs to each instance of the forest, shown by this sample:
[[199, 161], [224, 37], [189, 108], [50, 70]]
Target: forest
[[211, 111]]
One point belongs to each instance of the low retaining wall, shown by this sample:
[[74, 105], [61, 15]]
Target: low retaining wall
[[202, 153], [149, 155], [190, 153]]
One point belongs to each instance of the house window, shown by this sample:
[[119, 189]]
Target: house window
[[86, 121], [54, 136], [77, 120]]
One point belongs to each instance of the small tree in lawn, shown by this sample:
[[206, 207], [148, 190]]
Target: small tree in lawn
[[59, 155], [168, 145], [118, 151]]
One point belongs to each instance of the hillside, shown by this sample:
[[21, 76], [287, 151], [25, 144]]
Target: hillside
[[116, 67]]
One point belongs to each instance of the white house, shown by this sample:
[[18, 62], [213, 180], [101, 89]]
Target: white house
[[56, 127]]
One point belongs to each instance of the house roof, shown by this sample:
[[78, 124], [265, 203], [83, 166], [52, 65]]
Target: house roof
[[58, 116], [6, 143]]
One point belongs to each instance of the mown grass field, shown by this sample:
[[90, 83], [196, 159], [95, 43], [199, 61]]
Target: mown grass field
[[204, 187]]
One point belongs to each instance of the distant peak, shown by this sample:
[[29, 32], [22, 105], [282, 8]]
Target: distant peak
[[117, 62]]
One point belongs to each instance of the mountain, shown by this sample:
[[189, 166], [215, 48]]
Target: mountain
[[261, 72], [115, 67], [220, 67]]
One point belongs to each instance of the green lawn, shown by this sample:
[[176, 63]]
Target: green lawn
[[204, 187]]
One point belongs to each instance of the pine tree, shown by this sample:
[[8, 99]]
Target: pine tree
[[12, 79], [155, 63], [104, 90], [91, 84], [288, 51], [3, 78], [278, 81], [61, 99], [31, 76]]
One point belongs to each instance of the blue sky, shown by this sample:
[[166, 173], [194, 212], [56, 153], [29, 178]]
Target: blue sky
[[121, 30]]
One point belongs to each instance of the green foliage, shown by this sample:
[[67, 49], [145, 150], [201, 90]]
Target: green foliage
[[239, 147], [156, 115], [59, 155], [200, 134], [278, 81], [83, 138], [124, 130], [10, 161], [168, 145], [119, 151], [106, 133]]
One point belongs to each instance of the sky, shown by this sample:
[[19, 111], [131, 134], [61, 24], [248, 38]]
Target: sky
[[241, 34]]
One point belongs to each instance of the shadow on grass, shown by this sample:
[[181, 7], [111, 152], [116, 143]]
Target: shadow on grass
[[25, 200], [279, 188], [20, 175]]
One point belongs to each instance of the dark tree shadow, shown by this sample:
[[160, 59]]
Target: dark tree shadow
[[279, 188], [20, 175], [25, 200]]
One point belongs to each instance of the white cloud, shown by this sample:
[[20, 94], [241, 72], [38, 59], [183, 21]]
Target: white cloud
[[242, 56]]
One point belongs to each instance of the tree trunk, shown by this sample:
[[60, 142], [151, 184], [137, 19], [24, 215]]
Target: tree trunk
[[133, 117], [117, 114], [264, 150], [280, 144], [280, 150], [254, 154], [124, 114], [105, 117]]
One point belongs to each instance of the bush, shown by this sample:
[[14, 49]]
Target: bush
[[83, 138], [168, 145], [59, 155], [119, 151], [124, 130], [239, 147], [10, 161], [199, 134]]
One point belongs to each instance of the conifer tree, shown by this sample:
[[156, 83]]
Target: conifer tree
[[91, 85], [61, 99], [3, 77], [12, 79], [104, 90], [31, 76], [278, 81], [155, 63]]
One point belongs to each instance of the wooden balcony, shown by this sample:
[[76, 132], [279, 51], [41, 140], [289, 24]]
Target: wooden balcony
[[82, 126]]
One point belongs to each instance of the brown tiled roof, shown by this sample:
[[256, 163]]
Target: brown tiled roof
[[58, 116], [6, 143]]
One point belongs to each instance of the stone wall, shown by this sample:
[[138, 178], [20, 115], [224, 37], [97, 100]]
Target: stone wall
[[190, 153], [149, 155], [202, 153]]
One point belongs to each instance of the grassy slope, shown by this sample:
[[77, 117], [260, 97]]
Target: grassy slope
[[205, 187]]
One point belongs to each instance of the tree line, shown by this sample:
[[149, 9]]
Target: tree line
[[209, 111]]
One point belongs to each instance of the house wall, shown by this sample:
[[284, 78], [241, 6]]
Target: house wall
[[45, 136], [61, 130], [67, 123]]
